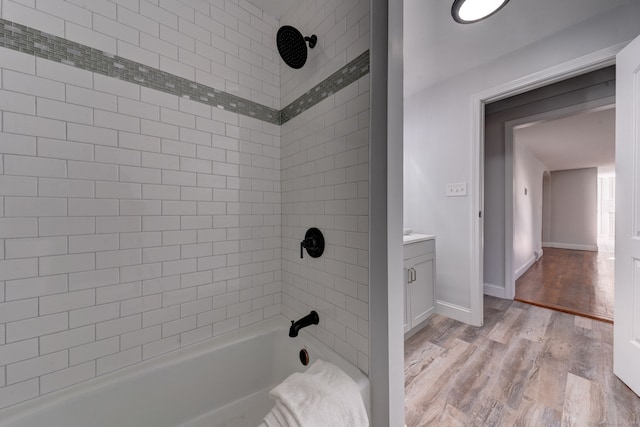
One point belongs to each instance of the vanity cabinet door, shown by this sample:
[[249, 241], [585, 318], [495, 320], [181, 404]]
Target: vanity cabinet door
[[405, 290], [421, 302], [419, 284]]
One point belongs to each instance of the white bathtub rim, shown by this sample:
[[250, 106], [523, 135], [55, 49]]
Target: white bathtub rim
[[139, 369], [279, 322]]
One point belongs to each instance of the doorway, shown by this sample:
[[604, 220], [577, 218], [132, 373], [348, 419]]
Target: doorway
[[571, 100], [563, 240]]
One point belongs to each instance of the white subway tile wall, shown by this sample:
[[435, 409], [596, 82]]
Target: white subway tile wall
[[132, 222], [342, 27], [223, 44], [325, 156]]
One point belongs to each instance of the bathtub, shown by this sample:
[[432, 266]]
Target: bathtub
[[223, 382]]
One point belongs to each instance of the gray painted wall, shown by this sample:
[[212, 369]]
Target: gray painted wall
[[573, 210], [527, 209]]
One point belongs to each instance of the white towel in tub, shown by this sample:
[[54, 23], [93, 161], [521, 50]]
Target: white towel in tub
[[323, 396]]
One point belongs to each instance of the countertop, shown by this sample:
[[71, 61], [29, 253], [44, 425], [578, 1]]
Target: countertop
[[413, 238]]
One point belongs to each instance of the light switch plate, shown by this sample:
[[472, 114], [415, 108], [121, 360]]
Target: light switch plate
[[457, 189]]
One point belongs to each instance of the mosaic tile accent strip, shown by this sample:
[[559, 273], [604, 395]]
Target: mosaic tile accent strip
[[342, 78], [34, 42]]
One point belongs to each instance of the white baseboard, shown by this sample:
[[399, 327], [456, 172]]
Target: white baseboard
[[525, 267], [495, 291], [453, 311], [593, 248], [419, 326]]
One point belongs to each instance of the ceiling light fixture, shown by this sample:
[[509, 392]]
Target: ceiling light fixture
[[470, 11]]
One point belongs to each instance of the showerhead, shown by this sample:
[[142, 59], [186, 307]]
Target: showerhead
[[292, 46]]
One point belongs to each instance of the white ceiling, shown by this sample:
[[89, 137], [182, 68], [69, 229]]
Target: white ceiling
[[275, 8], [579, 141], [436, 47]]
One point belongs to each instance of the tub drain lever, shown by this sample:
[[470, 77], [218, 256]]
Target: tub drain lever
[[313, 242]]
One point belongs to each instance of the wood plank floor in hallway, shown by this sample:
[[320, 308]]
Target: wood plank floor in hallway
[[527, 366], [577, 282]]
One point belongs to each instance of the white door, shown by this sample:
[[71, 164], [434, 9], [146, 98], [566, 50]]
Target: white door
[[626, 327]]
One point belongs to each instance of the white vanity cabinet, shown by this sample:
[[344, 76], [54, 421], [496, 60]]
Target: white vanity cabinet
[[419, 280]]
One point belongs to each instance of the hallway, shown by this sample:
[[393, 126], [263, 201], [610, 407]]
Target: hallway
[[576, 282], [527, 366]]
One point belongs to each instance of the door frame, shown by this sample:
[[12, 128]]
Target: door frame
[[581, 65], [510, 276]]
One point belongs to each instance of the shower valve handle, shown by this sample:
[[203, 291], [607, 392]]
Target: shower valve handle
[[313, 242], [307, 243]]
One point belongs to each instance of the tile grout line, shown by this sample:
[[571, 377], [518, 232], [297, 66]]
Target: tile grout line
[[47, 46]]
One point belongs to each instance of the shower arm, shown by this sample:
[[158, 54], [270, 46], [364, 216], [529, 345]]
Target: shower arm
[[312, 41]]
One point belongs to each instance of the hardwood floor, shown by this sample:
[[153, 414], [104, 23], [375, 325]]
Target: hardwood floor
[[577, 282], [527, 366]]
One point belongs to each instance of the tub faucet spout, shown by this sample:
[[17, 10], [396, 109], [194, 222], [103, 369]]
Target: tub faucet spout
[[310, 319]]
